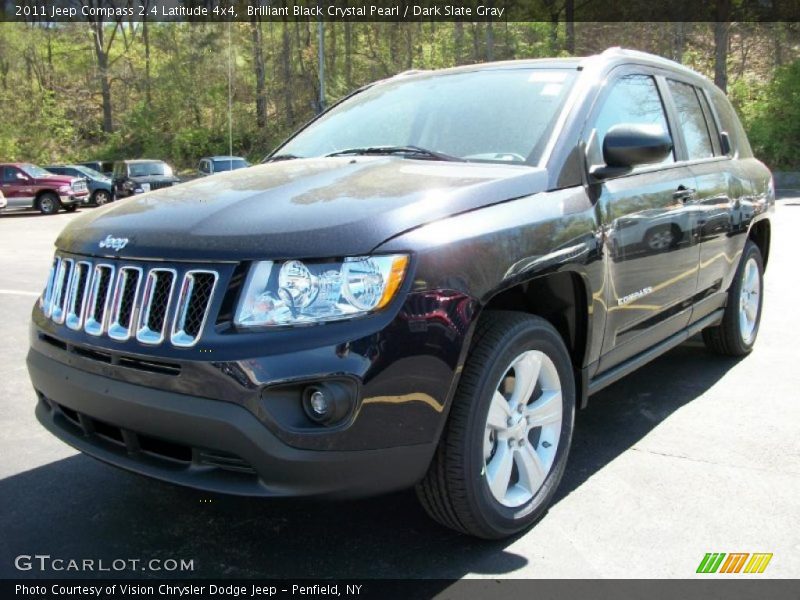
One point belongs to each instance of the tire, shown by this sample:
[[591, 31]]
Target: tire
[[660, 239], [736, 334], [101, 197], [48, 203], [457, 490], [71, 208]]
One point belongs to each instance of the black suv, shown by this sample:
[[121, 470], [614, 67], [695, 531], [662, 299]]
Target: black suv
[[139, 176], [418, 289]]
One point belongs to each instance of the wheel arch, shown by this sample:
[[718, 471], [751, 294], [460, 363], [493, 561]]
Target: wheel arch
[[761, 234], [561, 298]]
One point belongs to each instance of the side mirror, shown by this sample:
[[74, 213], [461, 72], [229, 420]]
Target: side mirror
[[627, 145], [22, 177]]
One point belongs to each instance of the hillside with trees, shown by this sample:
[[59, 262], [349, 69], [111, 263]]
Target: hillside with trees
[[105, 90]]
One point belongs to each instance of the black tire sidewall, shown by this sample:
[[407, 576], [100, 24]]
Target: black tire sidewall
[[537, 335]]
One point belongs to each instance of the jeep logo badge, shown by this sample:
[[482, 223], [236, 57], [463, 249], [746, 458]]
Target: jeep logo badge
[[116, 243]]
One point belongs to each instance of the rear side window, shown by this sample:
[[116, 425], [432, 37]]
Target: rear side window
[[692, 121], [729, 123], [633, 99]]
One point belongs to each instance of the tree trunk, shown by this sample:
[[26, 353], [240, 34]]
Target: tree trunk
[[260, 72], [146, 39], [554, 46], [105, 82], [286, 71], [489, 41], [458, 42], [569, 19], [348, 55], [678, 40], [721, 34]]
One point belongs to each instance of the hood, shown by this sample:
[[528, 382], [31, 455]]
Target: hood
[[56, 180], [303, 208]]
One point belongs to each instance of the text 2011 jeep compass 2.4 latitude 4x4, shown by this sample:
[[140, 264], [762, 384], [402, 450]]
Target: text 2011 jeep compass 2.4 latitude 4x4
[[419, 288]]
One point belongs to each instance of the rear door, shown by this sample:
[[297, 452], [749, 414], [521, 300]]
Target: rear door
[[651, 250], [723, 192], [17, 187]]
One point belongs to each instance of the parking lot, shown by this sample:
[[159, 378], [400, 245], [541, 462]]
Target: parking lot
[[692, 454]]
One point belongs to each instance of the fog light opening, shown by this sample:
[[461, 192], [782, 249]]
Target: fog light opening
[[326, 403]]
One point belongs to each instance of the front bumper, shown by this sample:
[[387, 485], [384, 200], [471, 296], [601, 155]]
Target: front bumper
[[69, 199], [203, 443], [226, 415]]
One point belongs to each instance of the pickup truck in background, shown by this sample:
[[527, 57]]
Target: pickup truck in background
[[28, 186]]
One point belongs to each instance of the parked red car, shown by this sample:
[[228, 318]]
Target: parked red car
[[28, 186]]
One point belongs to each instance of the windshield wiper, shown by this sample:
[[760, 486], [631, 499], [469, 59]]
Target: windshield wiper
[[412, 150], [280, 157]]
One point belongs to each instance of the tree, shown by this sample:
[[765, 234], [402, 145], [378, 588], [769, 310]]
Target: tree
[[102, 50], [260, 72]]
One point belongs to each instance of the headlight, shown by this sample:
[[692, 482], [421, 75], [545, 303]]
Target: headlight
[[296, 292]]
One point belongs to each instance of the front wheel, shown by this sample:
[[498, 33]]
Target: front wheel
[[48, 204], [102, 197], [736, 334], [505, 446]]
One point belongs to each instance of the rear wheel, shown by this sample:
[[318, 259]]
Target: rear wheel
[[736, 334], [505, 446], [48, 204]]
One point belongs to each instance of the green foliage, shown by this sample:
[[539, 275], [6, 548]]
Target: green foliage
[[771, 115]]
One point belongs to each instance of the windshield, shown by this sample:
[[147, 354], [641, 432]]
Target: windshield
[[229, 165], [147, 169], [90, 173], [34, 171], [502, 115]]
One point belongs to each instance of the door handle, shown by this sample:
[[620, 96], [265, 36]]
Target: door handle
[[683, 193]]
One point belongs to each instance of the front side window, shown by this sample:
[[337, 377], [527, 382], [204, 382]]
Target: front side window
[[633, 100], [502, 115], [692, 120]]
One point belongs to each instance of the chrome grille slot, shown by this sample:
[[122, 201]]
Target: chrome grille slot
[[194, 302], [99, 297], [155, 305], [60, 289], [47, 297], [78, 291], [123, 304]]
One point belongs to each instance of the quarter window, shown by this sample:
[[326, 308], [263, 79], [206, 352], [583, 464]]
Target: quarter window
[[634, 100], [692, 121]]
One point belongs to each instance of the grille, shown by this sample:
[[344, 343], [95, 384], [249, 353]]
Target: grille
[[160, 184], [126, 300], [79, 186]]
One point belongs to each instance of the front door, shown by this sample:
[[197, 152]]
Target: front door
[[650, 231]]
